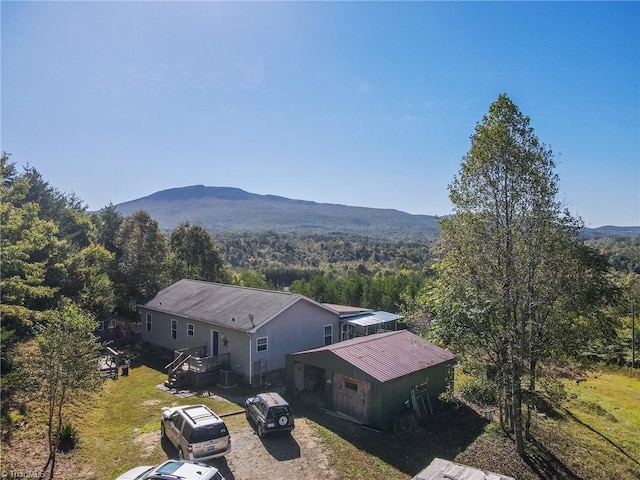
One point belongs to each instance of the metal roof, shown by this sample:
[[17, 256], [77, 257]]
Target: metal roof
[[228, 305], [371, 318], [385, 356], [440, 469], [347, 310]]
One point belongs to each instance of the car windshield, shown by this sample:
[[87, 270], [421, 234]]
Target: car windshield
[[143, 475]]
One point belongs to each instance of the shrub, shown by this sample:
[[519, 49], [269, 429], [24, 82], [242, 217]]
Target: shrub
[[480, 392], [68, 437]]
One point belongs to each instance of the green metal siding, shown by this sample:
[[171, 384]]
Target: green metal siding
[[388, 398]]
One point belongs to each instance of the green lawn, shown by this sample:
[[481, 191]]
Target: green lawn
[[599, 430], [114, 424], [595, 434]]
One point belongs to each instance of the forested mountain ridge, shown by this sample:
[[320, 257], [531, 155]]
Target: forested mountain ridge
[[233, 210]]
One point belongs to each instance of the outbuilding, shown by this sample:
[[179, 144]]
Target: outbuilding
[[372, 379]]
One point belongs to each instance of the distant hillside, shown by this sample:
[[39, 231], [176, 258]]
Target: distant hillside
[[231, 210], [611, 231]]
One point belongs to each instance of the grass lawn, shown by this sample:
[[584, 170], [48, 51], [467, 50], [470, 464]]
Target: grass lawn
[[122, 424], [597, 432], [594, 436]]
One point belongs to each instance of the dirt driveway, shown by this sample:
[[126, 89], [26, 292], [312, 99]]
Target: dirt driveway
[[279, 457]]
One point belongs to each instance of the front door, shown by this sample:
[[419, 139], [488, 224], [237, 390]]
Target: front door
[[213, 343]]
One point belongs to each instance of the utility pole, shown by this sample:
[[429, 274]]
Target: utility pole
[[633, 336]]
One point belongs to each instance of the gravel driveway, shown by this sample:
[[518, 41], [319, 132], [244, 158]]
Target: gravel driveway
[[297, 456], [277, 457]]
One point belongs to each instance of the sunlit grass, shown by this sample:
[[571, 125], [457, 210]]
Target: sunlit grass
[[114, 423], [594, 435], [597, 433], [353, 463]]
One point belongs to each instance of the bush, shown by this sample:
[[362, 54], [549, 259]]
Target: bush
[[480, 392], [68, 437]]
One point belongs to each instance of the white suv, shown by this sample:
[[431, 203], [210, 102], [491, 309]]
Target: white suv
[[196, 432], [173, 469]]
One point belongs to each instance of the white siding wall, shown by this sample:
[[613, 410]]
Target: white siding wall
[[300, 327]]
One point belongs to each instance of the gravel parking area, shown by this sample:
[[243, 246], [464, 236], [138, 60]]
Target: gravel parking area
[[298, 455], [277, 457]]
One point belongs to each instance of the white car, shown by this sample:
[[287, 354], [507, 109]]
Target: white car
[[182, 469]]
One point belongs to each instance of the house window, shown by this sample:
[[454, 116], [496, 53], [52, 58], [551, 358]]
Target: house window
[[148, 322], [190, 329], [328, 334], [174, 329], [262, 344], [349, 385]]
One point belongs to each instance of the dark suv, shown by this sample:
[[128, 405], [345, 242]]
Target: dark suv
[[196, 432], [270, 413]]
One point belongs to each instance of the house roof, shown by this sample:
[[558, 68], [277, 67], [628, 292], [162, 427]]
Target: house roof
[[386, 356], [440, 469], [229, 305]]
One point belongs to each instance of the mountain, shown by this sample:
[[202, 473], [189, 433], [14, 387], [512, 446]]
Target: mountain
[[233, 210], [611, 231]]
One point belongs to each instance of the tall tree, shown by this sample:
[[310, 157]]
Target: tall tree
[[108, 221], [505, 254], [195, 254], [28, 244], [141, 260]]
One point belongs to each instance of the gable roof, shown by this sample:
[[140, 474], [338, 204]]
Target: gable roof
[[386, 356], [227, 305]]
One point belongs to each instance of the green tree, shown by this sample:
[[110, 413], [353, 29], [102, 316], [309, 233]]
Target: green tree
[[141, 261], [28, 243], [195, 255], [64, 368], [108, 221], [505, 255], [97, 294], [250, 278]]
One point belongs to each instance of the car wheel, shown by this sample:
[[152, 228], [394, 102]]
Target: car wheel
[[180, 454], [260, 430], [283, 420]]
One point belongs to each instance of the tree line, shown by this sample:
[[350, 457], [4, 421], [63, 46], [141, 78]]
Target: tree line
[[509, 285]]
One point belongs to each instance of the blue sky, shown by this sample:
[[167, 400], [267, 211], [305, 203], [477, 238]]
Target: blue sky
[[360, 103]]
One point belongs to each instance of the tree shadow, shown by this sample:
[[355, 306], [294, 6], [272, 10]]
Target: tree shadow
[[449, 431], [545, 464], [602, 436]]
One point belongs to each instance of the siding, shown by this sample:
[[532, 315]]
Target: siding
[[298, 327], [386, 398]]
